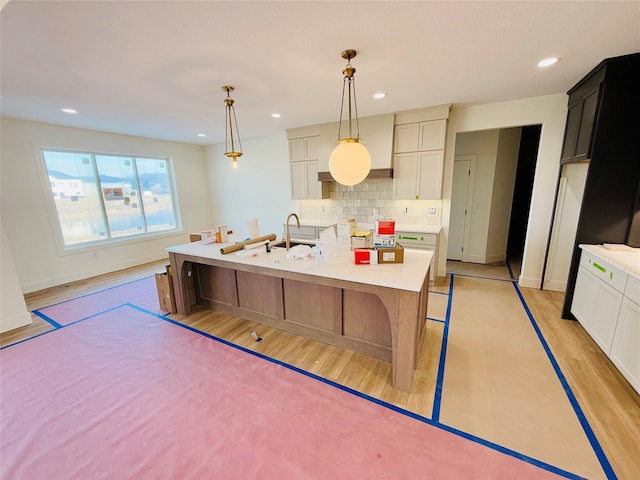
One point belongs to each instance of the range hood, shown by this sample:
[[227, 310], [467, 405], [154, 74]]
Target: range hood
[[373, 173]]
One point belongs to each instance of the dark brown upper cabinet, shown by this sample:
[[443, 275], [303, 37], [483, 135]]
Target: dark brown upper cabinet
[[581, 120]]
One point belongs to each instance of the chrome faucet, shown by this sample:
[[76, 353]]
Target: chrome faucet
[[287, 238]]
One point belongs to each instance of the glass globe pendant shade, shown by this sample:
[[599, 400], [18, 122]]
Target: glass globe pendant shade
[[349, 162]]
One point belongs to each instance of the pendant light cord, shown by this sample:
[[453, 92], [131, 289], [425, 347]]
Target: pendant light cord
[[348, 78]]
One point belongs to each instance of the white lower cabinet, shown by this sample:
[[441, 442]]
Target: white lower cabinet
[[596, 306], [585, 297], [605, 302], [605, 316], [625, 351], [422, 241]]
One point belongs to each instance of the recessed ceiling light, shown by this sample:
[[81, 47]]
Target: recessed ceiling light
[[201, 135], [276, 115], [547, 62], [68, 110], [379, 95]]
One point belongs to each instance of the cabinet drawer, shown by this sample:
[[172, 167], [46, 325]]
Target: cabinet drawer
[[632, 290], [417, 239], [603, 270]]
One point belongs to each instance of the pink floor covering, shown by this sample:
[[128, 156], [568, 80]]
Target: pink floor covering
[[127, 394], [140, 292]]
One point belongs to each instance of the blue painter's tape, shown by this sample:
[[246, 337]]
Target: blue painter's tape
[[382, 403], [435, 320], [510, 280], [602, 458], [437, 401], [510, 271], [51, 321]]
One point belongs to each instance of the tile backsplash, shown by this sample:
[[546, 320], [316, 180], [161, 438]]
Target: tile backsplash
[[360, 200]]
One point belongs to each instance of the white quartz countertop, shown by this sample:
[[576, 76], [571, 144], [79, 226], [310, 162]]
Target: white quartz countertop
[[400, 227], [627, 259], [409, 275]]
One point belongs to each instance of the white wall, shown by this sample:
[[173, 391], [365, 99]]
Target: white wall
[[30, 230], [502, 194], [13, 310], [550, 111], [258, 188]]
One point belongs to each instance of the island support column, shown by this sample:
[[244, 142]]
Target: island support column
[[405, 315]]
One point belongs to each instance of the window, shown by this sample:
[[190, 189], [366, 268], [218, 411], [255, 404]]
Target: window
[[99, 198]]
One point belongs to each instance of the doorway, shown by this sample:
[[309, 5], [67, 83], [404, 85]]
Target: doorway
[[491, 195], [522, 189]]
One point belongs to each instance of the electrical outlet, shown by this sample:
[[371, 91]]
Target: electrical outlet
[[405, 211], [432, 210]]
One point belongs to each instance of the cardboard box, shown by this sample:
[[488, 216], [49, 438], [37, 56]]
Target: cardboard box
[[346, 229], [365, 256], [391, 254], [164, 286], [362, 240], [385, 227], [384, 240], [196, 237]]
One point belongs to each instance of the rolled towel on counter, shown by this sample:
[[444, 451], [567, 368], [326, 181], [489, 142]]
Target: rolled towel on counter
[[239, 246]]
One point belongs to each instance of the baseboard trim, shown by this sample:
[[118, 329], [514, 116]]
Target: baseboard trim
[[14, 322], [555, 286], [528, 282], [72, 277]]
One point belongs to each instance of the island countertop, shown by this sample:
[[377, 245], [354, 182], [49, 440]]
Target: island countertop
[[377, 310], [408, 276]]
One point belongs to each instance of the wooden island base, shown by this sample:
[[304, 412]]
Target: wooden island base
[[381, 322]]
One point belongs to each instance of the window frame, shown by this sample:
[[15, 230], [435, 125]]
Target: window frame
[[56, 226]]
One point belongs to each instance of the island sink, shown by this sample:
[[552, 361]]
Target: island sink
[[294, 243]]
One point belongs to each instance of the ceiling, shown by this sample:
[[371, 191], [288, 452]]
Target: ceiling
[[156, 68]]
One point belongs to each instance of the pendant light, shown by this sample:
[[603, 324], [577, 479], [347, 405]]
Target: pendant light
[[230, 123], [350, 161]]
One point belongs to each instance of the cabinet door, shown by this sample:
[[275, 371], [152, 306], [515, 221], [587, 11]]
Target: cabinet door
[[304, 148], [605, 316], [314, 187], [571, 131], [296, 150], [432, 135], [311, 147], [625, 351], [585, 297], [406, 138], [298, 180], [405, 169], [587, 121], [581, 119], [430, 166]]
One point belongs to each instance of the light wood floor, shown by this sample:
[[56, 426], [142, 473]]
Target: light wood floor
[[610, 405]]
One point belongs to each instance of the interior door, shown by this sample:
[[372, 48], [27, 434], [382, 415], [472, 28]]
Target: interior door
[[459, 209]]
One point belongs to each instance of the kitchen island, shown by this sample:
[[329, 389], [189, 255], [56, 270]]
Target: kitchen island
[[377, 310]]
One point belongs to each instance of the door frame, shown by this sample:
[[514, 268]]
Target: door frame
[[469, 205]]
